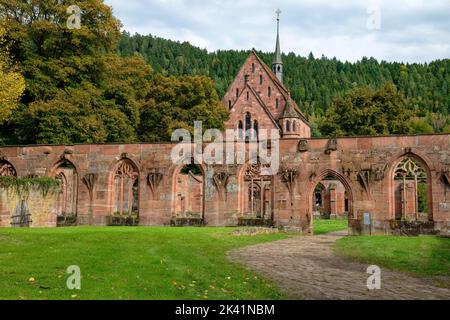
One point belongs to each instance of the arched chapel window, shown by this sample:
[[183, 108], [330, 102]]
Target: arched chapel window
[[255, 129], [248, 125], [240, 130], [288, 126]]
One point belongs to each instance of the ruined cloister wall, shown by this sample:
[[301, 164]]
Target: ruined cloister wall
[[364, 165], [42, 209]]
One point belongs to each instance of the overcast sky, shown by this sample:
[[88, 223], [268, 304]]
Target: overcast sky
[[408, 30]]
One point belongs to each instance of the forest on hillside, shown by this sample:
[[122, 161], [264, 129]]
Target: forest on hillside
[[98, 84], [313, 82]]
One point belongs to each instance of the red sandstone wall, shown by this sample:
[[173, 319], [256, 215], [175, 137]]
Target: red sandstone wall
[[352, 156]]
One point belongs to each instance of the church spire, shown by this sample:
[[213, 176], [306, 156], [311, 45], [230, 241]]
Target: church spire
[[277, 65]]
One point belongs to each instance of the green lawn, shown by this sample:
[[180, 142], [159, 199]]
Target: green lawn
[[424, 255], [322, 226], [129, 263]]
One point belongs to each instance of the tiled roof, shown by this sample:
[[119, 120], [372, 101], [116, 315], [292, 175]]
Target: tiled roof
[[290, 112]]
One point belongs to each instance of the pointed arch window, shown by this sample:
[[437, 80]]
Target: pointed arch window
[[253, 68], [248, 126], [288, 126], [240, 130], [255, 129], [248, 96], [126, 189]]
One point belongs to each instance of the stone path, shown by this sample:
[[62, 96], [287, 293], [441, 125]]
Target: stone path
[[307, 268]]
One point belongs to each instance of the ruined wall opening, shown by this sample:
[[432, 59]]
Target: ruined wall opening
[[189, 193], [21, 216], [411, 191], [330, 198], [126, 190], [66, 202], [256, 196]]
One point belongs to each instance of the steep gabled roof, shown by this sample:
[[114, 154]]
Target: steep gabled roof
[[284, 91]]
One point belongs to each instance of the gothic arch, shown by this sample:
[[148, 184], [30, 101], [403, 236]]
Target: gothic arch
[[66, 172], [250, 178], [396, 158], [7, 169], [180, 192], [52, 171], [125, 157], [312, 186], [425, 164], [124, 182]]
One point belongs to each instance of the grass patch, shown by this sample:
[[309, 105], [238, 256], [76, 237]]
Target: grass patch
[[129, 263], [425, 255], [322, 226]]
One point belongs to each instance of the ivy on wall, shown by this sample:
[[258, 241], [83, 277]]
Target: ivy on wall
[[23, 186]]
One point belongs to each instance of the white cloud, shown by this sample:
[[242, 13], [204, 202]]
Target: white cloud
[[411, 31]]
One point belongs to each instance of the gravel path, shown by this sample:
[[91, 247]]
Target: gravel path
[[307, 268]]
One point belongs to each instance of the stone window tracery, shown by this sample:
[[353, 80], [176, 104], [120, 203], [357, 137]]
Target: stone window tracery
[[7, 170], [258, 202], [126, 189], [411, 190]]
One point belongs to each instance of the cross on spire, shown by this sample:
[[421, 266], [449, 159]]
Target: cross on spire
[[277, 65], [278, 12]]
